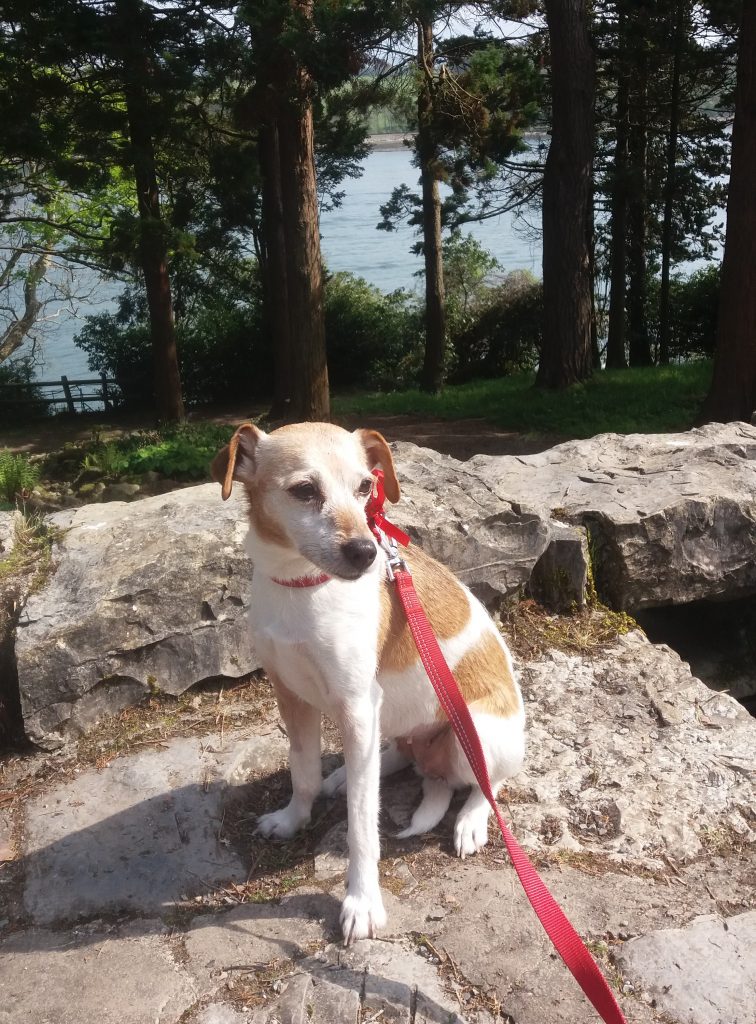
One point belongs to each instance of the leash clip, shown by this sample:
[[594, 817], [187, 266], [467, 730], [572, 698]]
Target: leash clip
[[394, 561]]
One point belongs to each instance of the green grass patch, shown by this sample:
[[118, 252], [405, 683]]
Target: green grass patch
[[649, 400], [181, 452]]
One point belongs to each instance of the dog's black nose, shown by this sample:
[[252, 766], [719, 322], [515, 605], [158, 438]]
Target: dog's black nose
[[359, 553]]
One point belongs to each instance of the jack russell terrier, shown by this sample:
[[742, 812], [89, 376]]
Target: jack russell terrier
[[333, 638]]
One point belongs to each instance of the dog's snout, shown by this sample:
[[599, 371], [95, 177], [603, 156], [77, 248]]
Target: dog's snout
[[359, 552]]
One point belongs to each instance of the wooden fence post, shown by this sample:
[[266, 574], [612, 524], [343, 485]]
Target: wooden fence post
[[105, 398], [67, 392]]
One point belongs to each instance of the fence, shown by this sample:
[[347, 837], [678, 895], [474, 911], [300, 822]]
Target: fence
[[63, 393]]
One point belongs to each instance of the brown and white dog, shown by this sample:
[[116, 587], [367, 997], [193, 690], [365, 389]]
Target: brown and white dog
[[342, 646]]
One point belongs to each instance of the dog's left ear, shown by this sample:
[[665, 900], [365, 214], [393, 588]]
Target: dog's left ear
[[379, 455], [237, 460]]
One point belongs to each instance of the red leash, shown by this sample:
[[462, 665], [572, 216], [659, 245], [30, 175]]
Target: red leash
[[566, 940]]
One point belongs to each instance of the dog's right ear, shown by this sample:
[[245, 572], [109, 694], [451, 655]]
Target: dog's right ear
[[237, 460]]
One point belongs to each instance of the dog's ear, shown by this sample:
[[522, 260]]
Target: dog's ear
[[379, 455], [237, 460]]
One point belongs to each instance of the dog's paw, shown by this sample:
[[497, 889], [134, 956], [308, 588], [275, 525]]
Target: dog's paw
[[470, 832], [335, 784], [281, 824], [361, 917]]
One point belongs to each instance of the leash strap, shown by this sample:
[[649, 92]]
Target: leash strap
[[566, 941]]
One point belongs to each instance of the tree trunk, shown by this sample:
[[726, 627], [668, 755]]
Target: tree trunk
[[670, 183], [567, 200], [435, 309], [273, 265], [615, 345], [639, 343], [733, 390], [153, 251], [304, 271], [15, 333]]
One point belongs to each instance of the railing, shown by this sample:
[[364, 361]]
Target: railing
[[64, 392]]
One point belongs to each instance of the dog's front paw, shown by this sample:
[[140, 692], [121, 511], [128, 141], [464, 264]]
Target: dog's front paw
[[334, 784], [281, 824], [361, 917], [470, 832]]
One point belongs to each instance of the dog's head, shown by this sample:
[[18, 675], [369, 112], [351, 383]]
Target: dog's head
[[307, 485]]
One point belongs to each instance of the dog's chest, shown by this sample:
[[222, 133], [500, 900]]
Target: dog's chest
[[320, 642]]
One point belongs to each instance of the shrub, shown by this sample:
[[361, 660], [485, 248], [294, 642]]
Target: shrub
[[222, 348], [18, 476], [503, 335], [373, 340], [694, 303]]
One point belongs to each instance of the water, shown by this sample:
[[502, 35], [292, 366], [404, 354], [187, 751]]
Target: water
[[350, 241]]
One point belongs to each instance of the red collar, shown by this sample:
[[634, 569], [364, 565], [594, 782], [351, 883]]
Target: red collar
[[303, 581]]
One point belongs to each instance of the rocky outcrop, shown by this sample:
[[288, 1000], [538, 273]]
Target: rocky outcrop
[[151, 594], [144, 597], [671, 518]]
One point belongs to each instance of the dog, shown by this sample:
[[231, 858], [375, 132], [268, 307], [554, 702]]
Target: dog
[[333, 638]]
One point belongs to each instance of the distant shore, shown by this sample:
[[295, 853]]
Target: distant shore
[[389, 140]]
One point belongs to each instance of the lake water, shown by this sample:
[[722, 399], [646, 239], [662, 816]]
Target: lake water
[[350, 241]]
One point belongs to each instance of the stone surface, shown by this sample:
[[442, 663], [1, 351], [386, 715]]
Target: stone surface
[[704, 973], [147, 596], [631, 756], [139, 834], [671, 517], [8, 522], [92, 977]]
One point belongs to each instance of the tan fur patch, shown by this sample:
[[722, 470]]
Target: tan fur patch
[[267, 528], [349, 524], [443, 599], [485, 680]]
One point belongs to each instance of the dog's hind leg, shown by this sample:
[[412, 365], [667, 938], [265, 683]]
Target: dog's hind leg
[[392, 760], [434, 805], [302, 723]]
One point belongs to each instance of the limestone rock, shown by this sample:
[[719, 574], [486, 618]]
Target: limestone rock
[[704, 973], [630, 756], [671, 517], [148, 596]]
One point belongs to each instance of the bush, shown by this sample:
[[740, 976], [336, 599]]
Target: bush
[[503, 335], [222, 349], [20, 398], [18, 477], [373, 340], [694, 303]]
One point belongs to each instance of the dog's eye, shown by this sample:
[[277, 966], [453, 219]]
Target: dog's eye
[[366, 486], [304, 491]]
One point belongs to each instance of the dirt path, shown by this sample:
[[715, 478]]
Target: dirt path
[[458, 438]]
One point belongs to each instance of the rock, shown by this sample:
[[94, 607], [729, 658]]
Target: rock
[[120, 491], [671, 517], [491, 543], [9, 521], [92, 976], [632, 757], [560, 576], [704, 973], [144, 597], [139, 834]]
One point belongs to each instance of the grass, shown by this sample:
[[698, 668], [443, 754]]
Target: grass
[[648, 400]]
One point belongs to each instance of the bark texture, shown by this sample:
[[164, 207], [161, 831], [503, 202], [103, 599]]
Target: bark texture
[[733, 390], [616, 358], [435, 308], [153, 250], [567, 201]]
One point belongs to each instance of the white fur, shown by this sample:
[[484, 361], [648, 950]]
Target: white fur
[[321, 643]]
